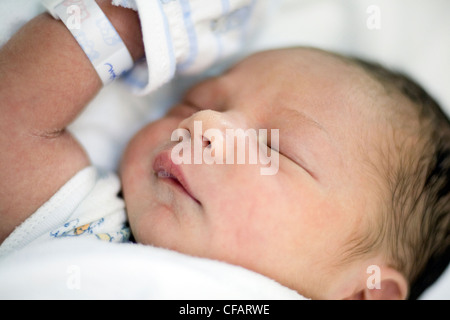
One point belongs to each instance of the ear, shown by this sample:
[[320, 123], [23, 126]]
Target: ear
[[383, 283]]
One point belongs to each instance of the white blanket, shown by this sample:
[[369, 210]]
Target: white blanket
[[91, 269], [411, 35]]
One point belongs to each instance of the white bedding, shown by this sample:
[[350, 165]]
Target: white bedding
[[413, 37], [100, 270]]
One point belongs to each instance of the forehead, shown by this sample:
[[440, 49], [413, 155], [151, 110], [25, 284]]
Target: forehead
[[304, 78], [298, 64], [333, 94]]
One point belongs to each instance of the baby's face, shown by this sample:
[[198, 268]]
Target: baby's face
[[293, 226]]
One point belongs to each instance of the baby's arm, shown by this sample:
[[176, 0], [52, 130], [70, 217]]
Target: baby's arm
[[45, 81]]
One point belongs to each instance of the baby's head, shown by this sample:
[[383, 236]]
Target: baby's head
[[361, 190]]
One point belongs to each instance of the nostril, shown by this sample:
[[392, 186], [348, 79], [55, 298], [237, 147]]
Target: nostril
[[205, 142]]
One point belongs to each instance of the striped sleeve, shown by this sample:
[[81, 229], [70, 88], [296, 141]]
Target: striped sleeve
[[188, 36]]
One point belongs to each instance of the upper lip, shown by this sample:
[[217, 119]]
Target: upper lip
[[163, 164]]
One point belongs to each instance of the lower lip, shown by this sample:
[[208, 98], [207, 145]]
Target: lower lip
[[175, 183]]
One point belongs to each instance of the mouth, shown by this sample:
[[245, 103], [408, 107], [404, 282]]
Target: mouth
[[170, 173]]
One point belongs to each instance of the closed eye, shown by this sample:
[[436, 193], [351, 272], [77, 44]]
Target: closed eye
[[182, 110], [300, 164]]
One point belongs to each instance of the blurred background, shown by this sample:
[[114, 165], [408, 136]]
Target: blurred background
[[412, 36]]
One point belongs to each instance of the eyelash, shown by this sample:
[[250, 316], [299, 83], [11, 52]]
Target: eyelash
[[291, 160], [269, 145]]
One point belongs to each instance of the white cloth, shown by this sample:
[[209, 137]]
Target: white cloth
[[83, 269], [187, 36], [86, 206]]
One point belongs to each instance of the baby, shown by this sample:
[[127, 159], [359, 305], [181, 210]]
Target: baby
[[362, 180]]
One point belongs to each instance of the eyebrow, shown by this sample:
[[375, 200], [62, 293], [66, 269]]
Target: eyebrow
[[305, 118]]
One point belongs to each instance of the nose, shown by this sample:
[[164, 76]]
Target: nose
[[209, 120], [208, 128]]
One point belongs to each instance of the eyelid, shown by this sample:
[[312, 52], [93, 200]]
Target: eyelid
[[269, 144], [295, 159], [182, 110], [190, 104], [296, 162], [302, 166]]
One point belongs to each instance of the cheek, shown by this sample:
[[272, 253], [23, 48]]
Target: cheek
[[143, 147], [247, 212], [136, 166], [323, 227], [303, 215]]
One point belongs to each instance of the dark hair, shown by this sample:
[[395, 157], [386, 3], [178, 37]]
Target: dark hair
[[418, 219]]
